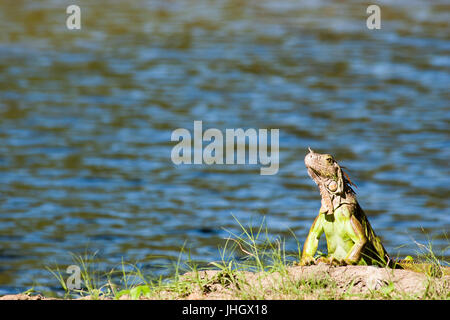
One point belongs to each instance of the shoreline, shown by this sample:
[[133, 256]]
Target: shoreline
[[316, 282]]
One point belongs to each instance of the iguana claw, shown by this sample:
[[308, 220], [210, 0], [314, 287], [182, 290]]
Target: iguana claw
[[332, 261], [307, 261]]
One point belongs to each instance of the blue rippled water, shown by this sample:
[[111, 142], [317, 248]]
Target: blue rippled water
[[86, 119]]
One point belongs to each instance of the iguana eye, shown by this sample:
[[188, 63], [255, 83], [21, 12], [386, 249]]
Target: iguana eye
[[332, 186], [329, 159]]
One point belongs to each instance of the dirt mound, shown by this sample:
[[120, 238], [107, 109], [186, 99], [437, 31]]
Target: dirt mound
[[323, 282], [22, 296]]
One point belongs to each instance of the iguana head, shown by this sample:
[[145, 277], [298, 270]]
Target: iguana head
[[328, 175]]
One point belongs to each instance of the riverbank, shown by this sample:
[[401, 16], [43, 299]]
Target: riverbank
[[294, 282]]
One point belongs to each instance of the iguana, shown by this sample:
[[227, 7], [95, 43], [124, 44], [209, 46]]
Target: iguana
[[350, 237]]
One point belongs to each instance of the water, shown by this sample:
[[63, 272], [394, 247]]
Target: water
[[86, 118]]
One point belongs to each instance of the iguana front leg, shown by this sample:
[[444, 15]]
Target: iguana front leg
[[358, 236], [312, 241]]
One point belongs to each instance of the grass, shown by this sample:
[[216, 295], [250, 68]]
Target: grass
[[262, 271]]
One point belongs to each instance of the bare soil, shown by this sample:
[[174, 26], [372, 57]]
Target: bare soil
[[357, 281]]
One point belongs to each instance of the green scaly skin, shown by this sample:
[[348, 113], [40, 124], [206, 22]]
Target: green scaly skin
[[350, 237]]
